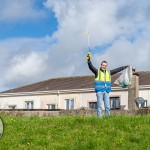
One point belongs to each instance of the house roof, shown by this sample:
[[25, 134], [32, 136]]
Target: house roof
[[76, 82]]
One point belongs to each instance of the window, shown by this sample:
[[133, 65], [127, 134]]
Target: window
[[12, 106], [144, 104], [69, 104], [51, 106], [29, 104], [93, 105], [114, 103]]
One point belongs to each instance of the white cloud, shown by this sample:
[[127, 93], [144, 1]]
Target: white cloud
[[118, 22], [22, 61], [19, 10], [25, 67], [124, 24], [123, 52]]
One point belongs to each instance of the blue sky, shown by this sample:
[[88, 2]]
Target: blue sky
[[42, 39], [30, 28]]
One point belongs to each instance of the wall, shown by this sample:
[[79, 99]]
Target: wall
[[81, 112], [146, 95], [77, 100], [48, 99], [19, 101], [80, 99], [91, 97]]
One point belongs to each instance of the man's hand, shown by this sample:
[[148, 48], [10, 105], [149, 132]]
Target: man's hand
[[133, 69], [127, 66], [88, 57]]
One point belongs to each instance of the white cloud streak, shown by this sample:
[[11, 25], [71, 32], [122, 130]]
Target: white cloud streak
[[19, 10]]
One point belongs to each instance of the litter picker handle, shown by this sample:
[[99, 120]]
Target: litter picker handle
[[88, 40]]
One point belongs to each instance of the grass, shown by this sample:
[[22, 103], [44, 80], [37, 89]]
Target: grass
[[75, 133]]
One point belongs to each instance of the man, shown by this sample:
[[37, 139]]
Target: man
[[102, 84]]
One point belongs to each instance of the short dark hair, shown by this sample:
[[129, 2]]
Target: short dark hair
[[103, 62]]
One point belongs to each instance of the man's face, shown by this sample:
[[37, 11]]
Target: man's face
[[104, 66]]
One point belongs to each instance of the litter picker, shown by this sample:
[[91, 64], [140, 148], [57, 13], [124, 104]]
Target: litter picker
[[88, 38]]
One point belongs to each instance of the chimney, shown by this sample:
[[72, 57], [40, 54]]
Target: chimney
[[133, 92]]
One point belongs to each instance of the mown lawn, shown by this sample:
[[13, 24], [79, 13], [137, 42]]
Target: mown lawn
[[77, 133]]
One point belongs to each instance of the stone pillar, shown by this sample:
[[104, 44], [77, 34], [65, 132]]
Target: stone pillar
[[133, 92]]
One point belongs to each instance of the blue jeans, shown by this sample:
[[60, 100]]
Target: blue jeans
[[102, 96]]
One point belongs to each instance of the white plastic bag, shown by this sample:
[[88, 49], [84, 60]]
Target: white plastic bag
[[125, 79]]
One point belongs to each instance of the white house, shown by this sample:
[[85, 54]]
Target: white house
[[70, 93]]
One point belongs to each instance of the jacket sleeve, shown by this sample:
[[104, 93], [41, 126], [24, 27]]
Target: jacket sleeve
[[92, 68], [114, 71]]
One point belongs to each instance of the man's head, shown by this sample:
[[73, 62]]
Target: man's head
[[104, 65]]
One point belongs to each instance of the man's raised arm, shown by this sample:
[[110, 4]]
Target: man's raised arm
[[91, 67]]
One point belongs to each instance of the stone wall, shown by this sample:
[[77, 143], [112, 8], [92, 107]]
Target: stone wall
[[28, 113], [82, 112]]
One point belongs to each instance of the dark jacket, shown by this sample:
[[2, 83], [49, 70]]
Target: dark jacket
[[95, 71]]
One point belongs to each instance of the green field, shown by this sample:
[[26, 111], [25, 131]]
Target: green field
[[78, 133]]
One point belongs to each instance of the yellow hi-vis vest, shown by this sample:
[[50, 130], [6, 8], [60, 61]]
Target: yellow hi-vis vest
[[103, 81]]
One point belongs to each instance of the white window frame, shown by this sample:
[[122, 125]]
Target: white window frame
[[70, 106], [30, 102], [49, 106]]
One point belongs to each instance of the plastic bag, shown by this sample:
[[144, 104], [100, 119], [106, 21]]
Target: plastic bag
[[125, 79]]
